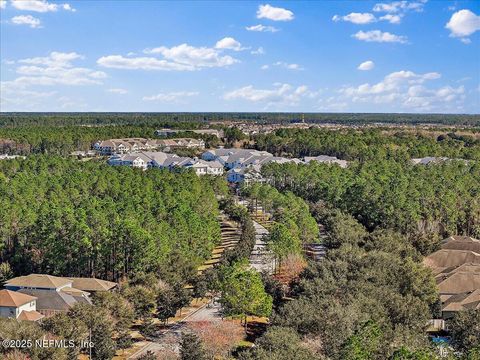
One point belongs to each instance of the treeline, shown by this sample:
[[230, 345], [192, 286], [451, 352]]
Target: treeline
[[69, 218], [62, 119], [62, 140], [426, 203], [369, 298], [368, 144]]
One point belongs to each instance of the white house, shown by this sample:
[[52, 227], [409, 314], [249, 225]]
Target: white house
[[135, 160], [327, 160], [18, 306], [202, 167]]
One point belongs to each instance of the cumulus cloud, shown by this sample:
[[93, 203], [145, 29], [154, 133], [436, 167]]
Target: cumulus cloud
[[356, 18], [462, 24], [274, 13], [183, 57], [228, 43], [141, 63], [379, 36], [3, 4], [118, 91], [392, 19], [262, 28], [55, 69], [39, 6], [366, 65], [26, 20], [171, 96], [407, 90], [280, 94], [195, 57], [399, 6]]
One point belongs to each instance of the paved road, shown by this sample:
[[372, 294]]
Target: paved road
[[261, 258]]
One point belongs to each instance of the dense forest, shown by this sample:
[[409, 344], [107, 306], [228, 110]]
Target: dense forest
[[71, 218], [156, 119], [425, 202], [370, 144]]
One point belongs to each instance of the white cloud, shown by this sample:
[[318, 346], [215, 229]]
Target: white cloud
[[288, 66], [462, 24], [262, 28], [407, 90], [379, 36], [283, 94], [117, 91], [265, 67], [3, 4], [367, 18], [39, 6], [392, 19], [274, 13], [356, 18], [228, 43], [26, 20], [259, 51], [171, 97], [141, 63], [55, 69], [366, 65], [195, 57], [399, 6]]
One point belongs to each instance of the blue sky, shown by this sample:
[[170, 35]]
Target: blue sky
[[331, 56]]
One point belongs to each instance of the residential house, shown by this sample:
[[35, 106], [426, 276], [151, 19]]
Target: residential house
[[456, 267], [202, 167], [92, 285], [135, 160], [433, 160], [53, 294], [324, 159], [18, 306]]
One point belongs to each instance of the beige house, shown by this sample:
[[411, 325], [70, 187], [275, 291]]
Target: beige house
[[55, 294], [18, 306], [456, 268]]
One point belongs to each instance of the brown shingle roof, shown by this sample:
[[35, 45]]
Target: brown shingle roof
[[92, 284], [448, 258], [458, 242], [459, 282], [39, 281], [30, 315], [14, 299]]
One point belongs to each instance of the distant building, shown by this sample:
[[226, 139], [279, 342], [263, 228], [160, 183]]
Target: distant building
[[202, 167], [172, 132], [162, 160], [245, 175], [18, 306], [434, 160], [326, 160]]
